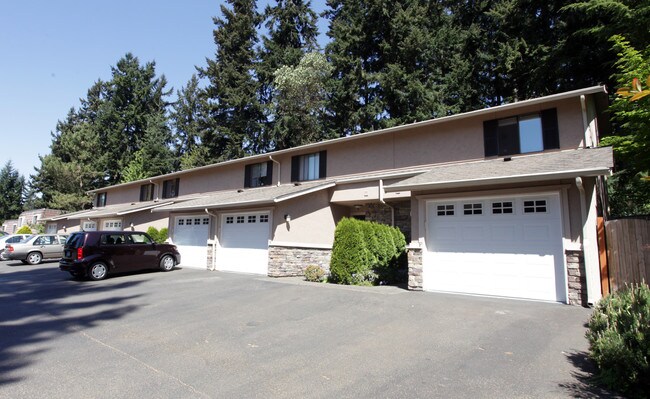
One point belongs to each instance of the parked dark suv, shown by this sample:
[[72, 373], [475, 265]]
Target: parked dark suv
[[95, 254]]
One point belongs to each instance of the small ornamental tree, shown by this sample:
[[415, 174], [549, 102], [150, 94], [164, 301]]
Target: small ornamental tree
[[24, 230]]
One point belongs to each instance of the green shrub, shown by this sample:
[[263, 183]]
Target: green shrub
[[24, 230], [619, 340], [158, 236], [349, 253], [367, 253], [315, 274]]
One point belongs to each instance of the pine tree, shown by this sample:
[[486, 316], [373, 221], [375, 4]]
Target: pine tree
[[233, 111], [187, 122], [133, 95], [12, 186]]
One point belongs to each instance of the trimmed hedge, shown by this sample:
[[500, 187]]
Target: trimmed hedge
[[619, 340], [158, 236], [367, 253]]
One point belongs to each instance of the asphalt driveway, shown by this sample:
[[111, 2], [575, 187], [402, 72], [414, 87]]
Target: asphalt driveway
[[192, 333]]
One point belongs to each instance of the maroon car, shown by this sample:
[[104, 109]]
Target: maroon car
[[95, 254]]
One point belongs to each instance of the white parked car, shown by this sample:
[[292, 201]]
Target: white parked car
[[10, 239]]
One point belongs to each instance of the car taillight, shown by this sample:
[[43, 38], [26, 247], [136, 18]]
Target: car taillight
[[10, 248], [80, 252]]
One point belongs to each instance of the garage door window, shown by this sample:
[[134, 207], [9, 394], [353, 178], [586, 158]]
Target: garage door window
[[229, 219], [206, 220], [500, 208], [536, 206], [252, 219], [445, 210], [264, 218], [240, 219], [473, 209], [181, 222]]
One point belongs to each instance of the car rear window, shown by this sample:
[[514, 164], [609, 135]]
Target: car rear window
[[76, 240]]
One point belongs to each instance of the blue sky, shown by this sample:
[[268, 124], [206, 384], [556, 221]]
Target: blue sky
[[51, 52]]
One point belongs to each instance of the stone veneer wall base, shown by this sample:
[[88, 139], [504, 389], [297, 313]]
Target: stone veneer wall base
[[577, 276], [415, 269], [292, 261]]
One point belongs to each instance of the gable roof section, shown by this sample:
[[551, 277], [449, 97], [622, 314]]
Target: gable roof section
[[252, 196], [112, 210], [360, 136], [524, 168]]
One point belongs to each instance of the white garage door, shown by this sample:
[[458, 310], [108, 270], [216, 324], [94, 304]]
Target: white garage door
[[503, 246], [191, 237], [244, 243]]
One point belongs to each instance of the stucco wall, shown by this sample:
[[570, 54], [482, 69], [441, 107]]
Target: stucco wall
[[312, 220], [449, 141]]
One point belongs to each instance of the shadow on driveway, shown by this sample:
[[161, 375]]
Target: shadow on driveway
[[40, 303]]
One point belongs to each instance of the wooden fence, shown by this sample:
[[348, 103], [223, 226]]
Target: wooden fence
[[628, 251]]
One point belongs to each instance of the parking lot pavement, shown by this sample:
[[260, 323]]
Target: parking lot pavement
[[193, 333]]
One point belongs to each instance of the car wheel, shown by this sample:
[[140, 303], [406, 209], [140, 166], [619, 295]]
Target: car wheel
[[97, 271], [167, 263], [34, 258]]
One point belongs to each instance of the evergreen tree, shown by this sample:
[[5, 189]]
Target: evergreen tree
[[187, 122], [132, 97], [292, 32], [393, 63], [12, 185], [233, 111]]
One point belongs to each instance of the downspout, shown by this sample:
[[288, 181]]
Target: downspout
[[381, 199], [214, 241], [156, 186], [589, 142], [279, 170]]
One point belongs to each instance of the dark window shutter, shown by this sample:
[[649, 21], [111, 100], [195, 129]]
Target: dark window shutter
[[490, 138], [295, 168], [247, 176], [268, 180], [550, 129], [322, 164], [508, 137], [176, 187]]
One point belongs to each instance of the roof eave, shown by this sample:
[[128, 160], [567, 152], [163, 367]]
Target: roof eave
[[602, 171]]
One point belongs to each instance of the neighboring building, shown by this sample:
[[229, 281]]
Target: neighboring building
[[31, 218], [499, 201], [10, 226]]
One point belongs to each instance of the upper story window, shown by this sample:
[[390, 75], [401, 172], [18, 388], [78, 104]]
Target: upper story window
[[146, 192], [521, 134], [258, 174], [309, 166], [170, 188], [101, 200]]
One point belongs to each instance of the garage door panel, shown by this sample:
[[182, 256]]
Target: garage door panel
[[503, 246], [244, 241], [190, 236]]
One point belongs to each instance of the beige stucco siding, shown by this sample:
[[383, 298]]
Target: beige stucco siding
[[449, 141], [312, 220]]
